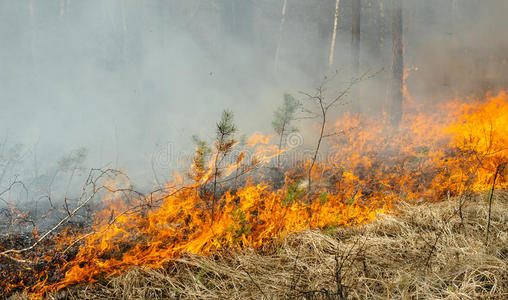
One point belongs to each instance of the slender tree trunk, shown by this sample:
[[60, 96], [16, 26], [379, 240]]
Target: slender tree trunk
[[398, 64], [215, 177], [499, 169], [281, 138], [281, 26], [334, 34], [316, 151], [355, 38]]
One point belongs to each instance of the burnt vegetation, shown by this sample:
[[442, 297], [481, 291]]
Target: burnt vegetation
[[231, 191], [404, 199]]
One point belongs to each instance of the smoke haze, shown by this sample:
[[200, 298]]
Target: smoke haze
[[132, 81]]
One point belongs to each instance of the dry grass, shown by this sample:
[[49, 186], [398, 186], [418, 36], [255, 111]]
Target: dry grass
[[386, 259]]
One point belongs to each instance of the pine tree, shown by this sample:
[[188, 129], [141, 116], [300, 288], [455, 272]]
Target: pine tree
[[225, 141]]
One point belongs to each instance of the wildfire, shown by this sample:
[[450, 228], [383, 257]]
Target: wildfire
[[437, 151]]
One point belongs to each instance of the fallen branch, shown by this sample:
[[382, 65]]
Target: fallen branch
[[90, 181]]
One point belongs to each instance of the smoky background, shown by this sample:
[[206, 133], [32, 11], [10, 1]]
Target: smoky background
[[125, 84]]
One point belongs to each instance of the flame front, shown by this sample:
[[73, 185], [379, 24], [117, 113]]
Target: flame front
[[445, 152]]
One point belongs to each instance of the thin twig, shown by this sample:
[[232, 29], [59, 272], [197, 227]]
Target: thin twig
[[499, 169], [255, 283]]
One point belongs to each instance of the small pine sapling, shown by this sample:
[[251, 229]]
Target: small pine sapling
[[283, 117], [224, 142]]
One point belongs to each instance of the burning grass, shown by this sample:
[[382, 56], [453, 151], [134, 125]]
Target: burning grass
[[234, 236], [386, 259]]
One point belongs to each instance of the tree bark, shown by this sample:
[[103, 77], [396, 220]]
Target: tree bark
[[355, 38], [334, 34], [398, 64]]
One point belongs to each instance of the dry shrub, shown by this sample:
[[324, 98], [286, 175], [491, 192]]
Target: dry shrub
[[391, 258]]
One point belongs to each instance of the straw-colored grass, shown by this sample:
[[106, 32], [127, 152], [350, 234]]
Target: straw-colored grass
[[389, 259]]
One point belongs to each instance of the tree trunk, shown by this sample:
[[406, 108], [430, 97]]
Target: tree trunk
[[355, 40], [398, 64], [334, 34], [281, 26]]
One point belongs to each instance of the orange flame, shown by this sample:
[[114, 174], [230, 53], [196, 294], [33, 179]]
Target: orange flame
[[447, 151]]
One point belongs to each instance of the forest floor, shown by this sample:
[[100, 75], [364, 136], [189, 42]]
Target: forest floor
[[424, 251]]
